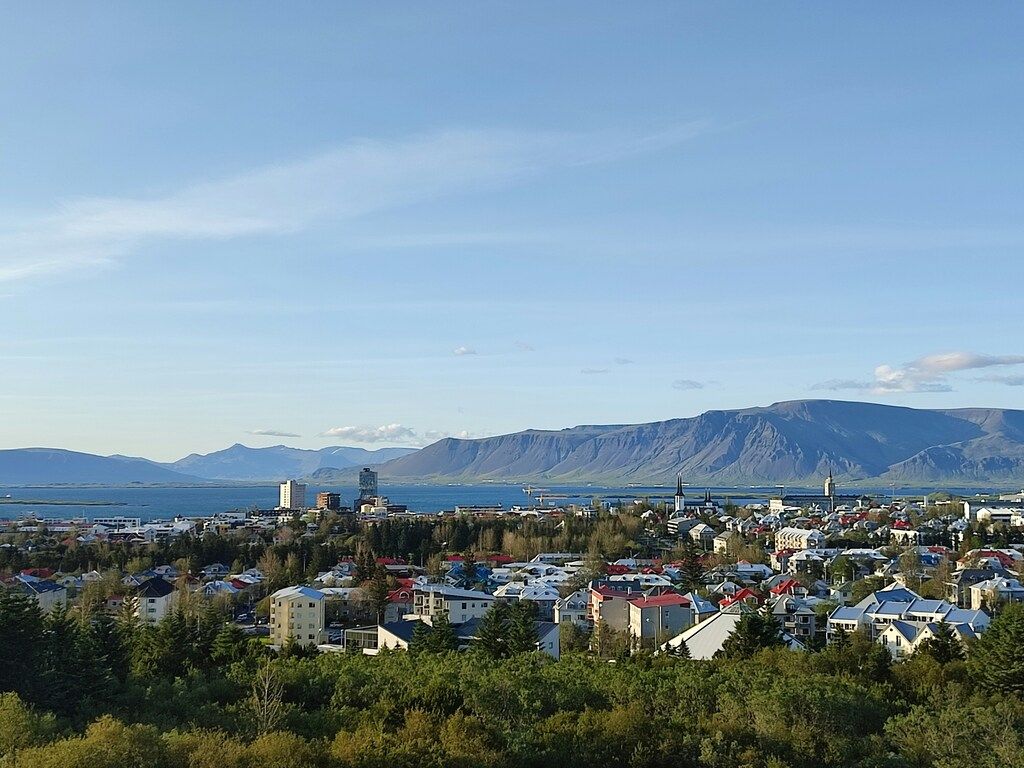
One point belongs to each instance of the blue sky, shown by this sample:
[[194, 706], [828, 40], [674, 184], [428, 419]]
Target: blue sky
[[374, 224]]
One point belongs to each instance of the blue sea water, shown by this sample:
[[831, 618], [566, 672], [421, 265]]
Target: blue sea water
[[158, 502]]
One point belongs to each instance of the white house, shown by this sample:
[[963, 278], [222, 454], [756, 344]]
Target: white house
[[155, 598]]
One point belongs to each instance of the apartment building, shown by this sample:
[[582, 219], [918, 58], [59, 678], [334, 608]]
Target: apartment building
[[297, 615]]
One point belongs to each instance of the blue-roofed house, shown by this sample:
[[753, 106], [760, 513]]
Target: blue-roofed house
[[48, 594]]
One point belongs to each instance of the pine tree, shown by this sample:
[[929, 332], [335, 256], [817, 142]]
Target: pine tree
[[691, 571], [420, 642], [228, 644], [21, 626], [492, 630], [943, 645], [681, 651], [469, 570], [442, 636], [996, 660], [521, 628], [378, 594], [753, 632]]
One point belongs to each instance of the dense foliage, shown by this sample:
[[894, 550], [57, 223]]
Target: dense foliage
[[192, 692]]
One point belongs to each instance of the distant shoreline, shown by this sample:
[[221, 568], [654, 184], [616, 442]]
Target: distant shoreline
[[62, 503]]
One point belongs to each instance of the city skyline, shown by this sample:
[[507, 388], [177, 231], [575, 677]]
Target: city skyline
[[380, 226]]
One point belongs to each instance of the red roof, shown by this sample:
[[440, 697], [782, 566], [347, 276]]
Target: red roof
[[501, 559], [616, 570], [786, 586], [454, 558], [390, 561], [742, 595], [39, 573], [660, 600], [403, 595]]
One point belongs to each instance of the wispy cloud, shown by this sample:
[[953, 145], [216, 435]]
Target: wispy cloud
[[522, 346], [925, 374], [623, 361], [593, 371], [352, 180], [387, 433], [391, 433], [463, 351], [272, 433], [687, 384], [1010, 381]]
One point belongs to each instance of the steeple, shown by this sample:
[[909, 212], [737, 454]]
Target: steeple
[[679, 484], [680, 500]]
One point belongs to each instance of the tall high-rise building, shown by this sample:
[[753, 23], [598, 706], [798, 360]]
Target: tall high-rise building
[[292, 495], [367, 483]]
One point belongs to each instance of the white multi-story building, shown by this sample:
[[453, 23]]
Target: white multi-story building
[[297, 614], [155, 598], [460, 604], [293, 495], [799, 538]]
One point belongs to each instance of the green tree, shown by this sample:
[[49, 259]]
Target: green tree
[[378, 594], [492, 631], [996, 660], [943, 645], [21, 629], [521, 628], [691, 569], [681, 651], [754, 632]]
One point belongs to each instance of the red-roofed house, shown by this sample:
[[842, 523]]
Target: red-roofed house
[[654, 620], [790, 587], [617, 570], [400, 602], [745, 595]]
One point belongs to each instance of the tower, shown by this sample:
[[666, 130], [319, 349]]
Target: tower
[[830, 490], [680, 505]]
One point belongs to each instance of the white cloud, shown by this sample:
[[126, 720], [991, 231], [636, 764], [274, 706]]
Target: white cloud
[[387, 433], [925, 374], [687, 384], [272, 433], [462, 351], [391, 433], [1010, 381], [352, 180], [593, 371]]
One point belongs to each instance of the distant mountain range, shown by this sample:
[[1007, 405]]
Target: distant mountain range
[[791, 443], [239, 463], [54, 466], [279, 462]]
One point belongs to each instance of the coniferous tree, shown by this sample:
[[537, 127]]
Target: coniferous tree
[[521, 628], [21, 627], [681, 651], [753, 632], [691, 570], [378, 594], [442, 636], [943, 646], [492, 631], [996, 660]]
